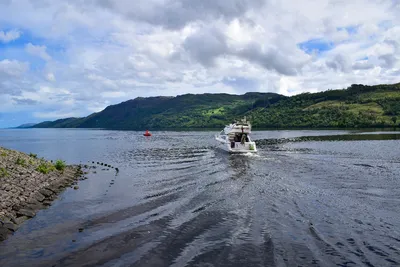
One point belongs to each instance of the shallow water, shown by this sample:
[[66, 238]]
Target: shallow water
[[178, 200]]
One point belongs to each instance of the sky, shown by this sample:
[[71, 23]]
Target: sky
[[70, 58]]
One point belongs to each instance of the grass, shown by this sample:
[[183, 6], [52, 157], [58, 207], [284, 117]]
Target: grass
[[375, 96], [3, 154], [21, 162], [354, 108], [33, 155], [325, 104], [370, 107], [3, 172], [211, 112], [45, 167], [60, 165]]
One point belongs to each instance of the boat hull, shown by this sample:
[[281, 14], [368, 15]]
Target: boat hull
[[237, 147]]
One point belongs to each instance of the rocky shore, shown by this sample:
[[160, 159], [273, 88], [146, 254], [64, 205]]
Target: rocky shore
[[29, 184]]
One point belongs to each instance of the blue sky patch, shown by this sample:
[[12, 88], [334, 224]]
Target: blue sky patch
[[16, 119], [351, 30], [15, 50], [317, 45], [385, 24]]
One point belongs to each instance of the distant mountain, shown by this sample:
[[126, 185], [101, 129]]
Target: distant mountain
[[26, 125], [356, 106]]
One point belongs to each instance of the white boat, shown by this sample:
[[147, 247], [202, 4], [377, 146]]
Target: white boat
[[235, 137]]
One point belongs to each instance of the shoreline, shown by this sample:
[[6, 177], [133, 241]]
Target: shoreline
[[29, 184], [200, 129]]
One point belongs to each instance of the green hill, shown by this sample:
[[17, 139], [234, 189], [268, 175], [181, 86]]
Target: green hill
[[356, 106]]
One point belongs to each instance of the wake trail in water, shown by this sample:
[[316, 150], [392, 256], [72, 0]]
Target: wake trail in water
[[182, 202]]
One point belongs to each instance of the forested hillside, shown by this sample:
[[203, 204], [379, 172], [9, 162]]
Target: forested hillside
[[356, 106]]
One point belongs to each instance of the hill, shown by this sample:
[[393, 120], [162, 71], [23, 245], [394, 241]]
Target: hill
[[356, 106], [25, 125]]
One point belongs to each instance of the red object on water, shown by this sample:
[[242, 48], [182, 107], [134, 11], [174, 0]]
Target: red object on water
[[147, 133]]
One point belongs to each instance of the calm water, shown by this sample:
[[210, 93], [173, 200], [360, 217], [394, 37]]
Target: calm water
[[179, 201]]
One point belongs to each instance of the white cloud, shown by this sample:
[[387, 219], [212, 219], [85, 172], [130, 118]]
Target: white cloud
[[9, 36], [55, 114], [38, 50], [13, 68], [113, 94], [109, 51], [50, 77]]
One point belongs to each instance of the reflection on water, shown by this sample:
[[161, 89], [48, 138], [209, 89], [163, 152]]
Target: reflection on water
[[337, 137], [179, 201], [240, 165]]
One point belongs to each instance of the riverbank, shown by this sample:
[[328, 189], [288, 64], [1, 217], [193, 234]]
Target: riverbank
[[29, 184]]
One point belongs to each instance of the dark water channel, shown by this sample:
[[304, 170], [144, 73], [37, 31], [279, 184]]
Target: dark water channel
[[308, 198]]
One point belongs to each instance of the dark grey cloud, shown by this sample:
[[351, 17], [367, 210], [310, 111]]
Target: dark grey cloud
[[11, 76], [206, 45], [393, 43], [272, 59], [339, 63], [25, 101], [10, 88], [395, 73], [389, 60], [363, 65], [175, 14]]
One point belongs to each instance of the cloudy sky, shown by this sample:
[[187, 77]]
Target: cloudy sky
[[63, 58]]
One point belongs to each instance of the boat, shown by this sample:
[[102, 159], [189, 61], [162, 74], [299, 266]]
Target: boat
[[147, 133], [235, 137]]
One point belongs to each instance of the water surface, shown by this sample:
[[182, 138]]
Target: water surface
[[303, 200]]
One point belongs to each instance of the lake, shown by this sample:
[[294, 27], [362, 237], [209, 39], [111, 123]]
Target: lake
[[307, 198]]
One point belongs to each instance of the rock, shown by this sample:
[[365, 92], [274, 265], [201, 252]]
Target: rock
[[26, 212], [20, 220], [10, 226], [4, 232], [3, 205], [46, 192], [80, 230], [32, 200], [38, 196], [34, 207], [76, 187], [47, 202], [69, 181], [7, 204], [25, 191], [17, 207], [54, 188]]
